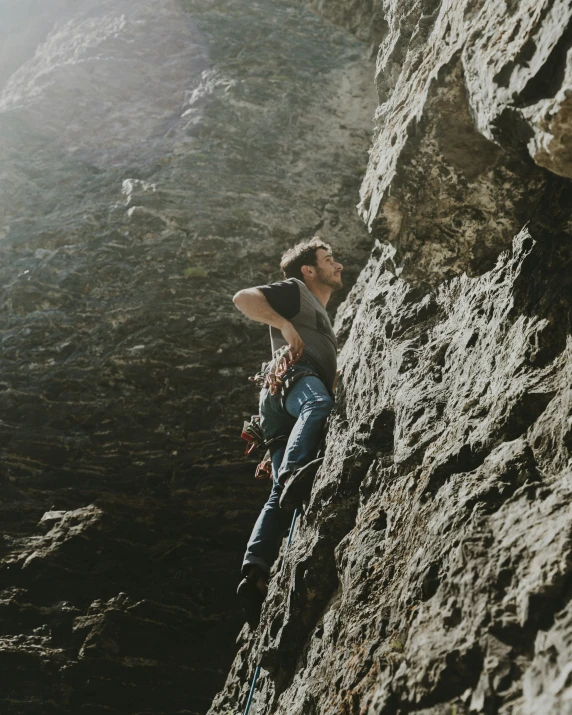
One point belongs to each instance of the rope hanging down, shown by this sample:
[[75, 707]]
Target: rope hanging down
[[257, 671]]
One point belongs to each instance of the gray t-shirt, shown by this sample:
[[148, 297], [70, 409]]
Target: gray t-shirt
[[293, 301]]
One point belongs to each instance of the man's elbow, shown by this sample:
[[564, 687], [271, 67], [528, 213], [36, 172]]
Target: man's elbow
[[247, 296], [238, 298]]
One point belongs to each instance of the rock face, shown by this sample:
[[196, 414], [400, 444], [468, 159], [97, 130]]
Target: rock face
[[155, 157], [431, 570], [158, 156], [473, 99], [469, 93]]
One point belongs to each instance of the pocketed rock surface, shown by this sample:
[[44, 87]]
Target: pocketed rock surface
[[155, 157], [432, 569], [474, 98]]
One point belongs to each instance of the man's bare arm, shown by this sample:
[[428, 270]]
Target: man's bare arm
[[254, 305]]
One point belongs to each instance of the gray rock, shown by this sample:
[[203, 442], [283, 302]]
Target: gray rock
[[431, 568], [431, 572], [157, 157], [468, 93], [154, 159]]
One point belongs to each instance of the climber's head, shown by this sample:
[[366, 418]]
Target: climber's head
[[312, 262]]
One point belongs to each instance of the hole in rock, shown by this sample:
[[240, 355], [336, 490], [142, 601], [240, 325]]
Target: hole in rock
[[430, 582], [472, 341], [544, 607], [438, 357], [462, 670], [526, 53], [468, 458], [548, 80], [524, 414], [276, 625], [379, 523], [382, 431], [502, 77], [417, 414]]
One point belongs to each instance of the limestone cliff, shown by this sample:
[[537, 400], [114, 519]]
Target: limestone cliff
[[155, 157], [432, 569]]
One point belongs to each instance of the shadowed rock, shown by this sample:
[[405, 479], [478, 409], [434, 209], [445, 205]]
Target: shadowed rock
[[155, 158]]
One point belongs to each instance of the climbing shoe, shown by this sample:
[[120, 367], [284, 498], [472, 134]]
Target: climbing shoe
[[251, 593], [299, 485]]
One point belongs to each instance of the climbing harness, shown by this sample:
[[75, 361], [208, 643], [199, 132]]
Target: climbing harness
[[257, 670], [277, 378], [252, 433], [264, 468]]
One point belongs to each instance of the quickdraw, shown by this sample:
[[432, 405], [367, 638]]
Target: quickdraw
[[264, 469], [252, 434], [272, 373]]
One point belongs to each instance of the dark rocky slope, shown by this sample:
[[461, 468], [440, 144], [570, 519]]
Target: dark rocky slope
[[431, 572], [155, 157]]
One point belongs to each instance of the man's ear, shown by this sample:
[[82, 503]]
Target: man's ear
[[307, 271]]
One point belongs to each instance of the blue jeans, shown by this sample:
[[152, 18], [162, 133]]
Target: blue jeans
[[302, 419]]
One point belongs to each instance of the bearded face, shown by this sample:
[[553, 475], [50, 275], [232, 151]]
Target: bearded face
[[328, 271], [329, 277]]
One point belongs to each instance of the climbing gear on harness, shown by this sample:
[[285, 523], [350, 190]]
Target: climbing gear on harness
[[264, 469], [272, 373], [298, 486], [252, 433], [277, 376], [278, 369]]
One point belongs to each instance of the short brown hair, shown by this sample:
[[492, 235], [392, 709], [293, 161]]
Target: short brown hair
[[302, 254]]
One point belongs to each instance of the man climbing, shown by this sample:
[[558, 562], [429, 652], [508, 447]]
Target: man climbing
[[294, 417]]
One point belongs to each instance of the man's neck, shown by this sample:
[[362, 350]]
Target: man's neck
[[321, 291]]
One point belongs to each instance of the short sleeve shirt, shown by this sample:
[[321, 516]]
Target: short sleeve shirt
[[292, 300]]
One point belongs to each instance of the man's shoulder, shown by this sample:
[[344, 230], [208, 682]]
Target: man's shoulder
[[286, 283], [283, 296]]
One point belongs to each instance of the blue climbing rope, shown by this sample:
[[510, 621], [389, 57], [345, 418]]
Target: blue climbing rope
[[257, 671], [292, 528], [252, 688]]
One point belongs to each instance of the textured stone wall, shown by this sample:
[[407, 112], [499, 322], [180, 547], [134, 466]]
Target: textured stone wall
[[473, 99], [431, 571], [155, 157]]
